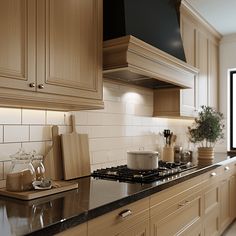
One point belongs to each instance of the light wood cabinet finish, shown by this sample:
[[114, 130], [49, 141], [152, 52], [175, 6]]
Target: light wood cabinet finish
[[80, 230], [201, 206], [17, 43], [114, 223], [201, 45], [51, 54]]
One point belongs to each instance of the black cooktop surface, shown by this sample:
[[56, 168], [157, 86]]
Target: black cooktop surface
[[123, 173]]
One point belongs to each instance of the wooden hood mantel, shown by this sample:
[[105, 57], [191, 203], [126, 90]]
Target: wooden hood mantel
[[134, 61]]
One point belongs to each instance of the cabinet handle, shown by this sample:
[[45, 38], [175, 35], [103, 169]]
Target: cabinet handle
[[40, 86], [181, 205], [213, 174], [226, 168], [125, 213], [32, 85]]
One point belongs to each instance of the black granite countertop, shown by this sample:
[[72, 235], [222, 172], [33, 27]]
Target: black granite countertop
[[94, 197]]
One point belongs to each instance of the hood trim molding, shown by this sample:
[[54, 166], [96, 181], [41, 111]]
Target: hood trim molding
[[130, 59]]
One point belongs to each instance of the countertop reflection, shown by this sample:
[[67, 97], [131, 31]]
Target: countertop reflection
[[94, 197]]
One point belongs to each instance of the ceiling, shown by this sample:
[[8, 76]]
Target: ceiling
[[219, 13]]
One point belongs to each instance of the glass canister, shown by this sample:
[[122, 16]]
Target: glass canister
[[21, 173], [37, 162]]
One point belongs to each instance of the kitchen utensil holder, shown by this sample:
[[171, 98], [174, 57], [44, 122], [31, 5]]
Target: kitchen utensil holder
[[168, 154]]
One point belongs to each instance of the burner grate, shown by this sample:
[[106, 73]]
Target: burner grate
[[123, 173]]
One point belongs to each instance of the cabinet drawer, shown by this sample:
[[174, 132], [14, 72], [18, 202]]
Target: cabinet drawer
[[177, 218], [118, 220]]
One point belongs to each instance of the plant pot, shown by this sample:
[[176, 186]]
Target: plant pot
[[205, 153]]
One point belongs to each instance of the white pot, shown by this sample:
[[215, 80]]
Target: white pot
[[142, 160]]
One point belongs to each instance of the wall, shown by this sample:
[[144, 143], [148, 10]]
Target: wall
[[126, 123], [227, 61]]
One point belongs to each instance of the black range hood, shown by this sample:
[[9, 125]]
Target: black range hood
[[142, 44], [156, 22]]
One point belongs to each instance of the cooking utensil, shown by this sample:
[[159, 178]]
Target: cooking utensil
[[75, 153], [142, 160], [166, 135], [53, 160]]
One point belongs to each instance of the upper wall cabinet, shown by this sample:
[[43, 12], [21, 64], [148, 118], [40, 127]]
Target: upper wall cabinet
[[201, 46], [51, 54]]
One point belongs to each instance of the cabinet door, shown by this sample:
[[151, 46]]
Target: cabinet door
[[17, 43], [213, 74], [211, 210], [232, 197], [69, 48], [142, 229], [189, 96], [224, 203], [202, 65]]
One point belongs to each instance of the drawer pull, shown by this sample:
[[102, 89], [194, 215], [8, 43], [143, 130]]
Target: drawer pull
[[226, 168], [125, 213], [213, 174], [181, 205]]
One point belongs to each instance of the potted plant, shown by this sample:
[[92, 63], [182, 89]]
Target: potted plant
[[206, 131]]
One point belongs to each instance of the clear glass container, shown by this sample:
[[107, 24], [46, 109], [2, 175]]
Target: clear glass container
[[37, 162], [21, 173]]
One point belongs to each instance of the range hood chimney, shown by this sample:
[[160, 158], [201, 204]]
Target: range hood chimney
[[143, 45]]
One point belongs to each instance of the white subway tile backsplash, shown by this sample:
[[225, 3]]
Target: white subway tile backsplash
[[16, 133], [40, 133], [126, 123], [36, 117], [8, 149], [56, 117], [81, 118], [115, 107], [95, 118], [39, 147], [99, 157], [10, 116]]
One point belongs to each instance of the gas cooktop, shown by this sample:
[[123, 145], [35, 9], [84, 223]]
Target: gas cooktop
[[123, 173]]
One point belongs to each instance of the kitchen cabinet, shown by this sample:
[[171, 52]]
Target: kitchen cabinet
[[132, 219], [178, 210], [227, 196], [201, 46], [51, 54], [80, 230]]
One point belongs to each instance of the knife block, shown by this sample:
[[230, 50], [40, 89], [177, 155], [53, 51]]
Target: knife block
[[168, 154]]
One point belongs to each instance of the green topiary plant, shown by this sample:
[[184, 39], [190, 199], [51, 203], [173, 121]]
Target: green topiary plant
[[207, 128]]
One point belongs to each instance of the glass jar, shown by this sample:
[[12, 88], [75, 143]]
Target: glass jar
[[21, 173], [37, 162]]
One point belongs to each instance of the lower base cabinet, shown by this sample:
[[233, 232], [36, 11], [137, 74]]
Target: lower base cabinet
[[202, 206]]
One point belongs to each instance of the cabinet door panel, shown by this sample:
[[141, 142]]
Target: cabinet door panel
[[17, 43], [213, 75], [179, 221], [142, 229], [71, 54], [202, 64]]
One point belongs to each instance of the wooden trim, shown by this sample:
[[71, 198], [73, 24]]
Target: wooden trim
[[188, 7], [134, 56]]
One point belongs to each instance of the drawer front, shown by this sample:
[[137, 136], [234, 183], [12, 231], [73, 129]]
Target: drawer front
[[176, 222], [118, 220]]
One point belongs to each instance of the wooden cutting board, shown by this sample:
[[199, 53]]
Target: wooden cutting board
[[75, 154], [58, 186], [53, 160]]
